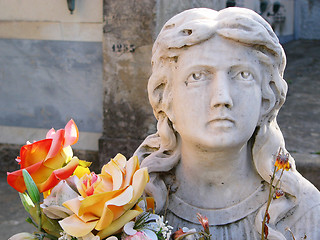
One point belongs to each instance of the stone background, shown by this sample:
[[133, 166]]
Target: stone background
[[50, 82], [308, 13]]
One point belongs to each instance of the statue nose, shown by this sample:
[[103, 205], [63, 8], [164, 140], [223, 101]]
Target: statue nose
[[221, 95]]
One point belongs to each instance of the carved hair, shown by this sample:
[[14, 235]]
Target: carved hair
[[160, 152]]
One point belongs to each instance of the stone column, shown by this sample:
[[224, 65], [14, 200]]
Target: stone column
[[127, 43]]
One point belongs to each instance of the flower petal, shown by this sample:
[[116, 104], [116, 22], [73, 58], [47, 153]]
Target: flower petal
[[95, 203], [112, 238], [131, 167], [105, 185], [59, 194], [58, 175], [139, 182], [81, 171], [122, 198], [50, 133], [33, 153], [120, 160], [153, 217], [74, 206], [90, 236], [23, 236], [15, 179], [117, 176], [128, 228], [57, 212], [150, 234], [71, 133], [61, 158], [116, 225], [150, 203], [57, 141], [105, 220], [74, 226], [109, 215]]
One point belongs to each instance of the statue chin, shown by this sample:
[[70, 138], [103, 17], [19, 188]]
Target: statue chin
[[216, 88]]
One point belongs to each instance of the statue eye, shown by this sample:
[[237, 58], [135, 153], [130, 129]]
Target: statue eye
[[197, 76], [245, 76]]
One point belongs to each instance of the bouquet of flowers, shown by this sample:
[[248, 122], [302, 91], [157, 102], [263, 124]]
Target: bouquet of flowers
[[66, 201]]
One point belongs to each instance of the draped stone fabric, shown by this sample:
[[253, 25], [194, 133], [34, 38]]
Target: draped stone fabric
[[303, 220], [243, 229]]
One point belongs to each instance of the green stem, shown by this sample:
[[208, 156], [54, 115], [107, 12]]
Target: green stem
[[40, 217], [42, 235], [47, 235], [29, 220]]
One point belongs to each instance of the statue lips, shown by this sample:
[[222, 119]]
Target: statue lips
[[222, 121]]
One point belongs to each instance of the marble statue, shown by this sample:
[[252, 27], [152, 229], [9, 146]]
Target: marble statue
[[216, 88]]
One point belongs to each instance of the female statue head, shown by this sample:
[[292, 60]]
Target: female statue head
[[198, 28]]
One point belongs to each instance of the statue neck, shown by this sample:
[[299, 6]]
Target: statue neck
[[216, 179]]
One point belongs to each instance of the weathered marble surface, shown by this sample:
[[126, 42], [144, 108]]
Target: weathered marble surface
[[216, 88]]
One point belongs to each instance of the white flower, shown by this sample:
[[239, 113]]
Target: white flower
[[129, 230], [164, 227], [52, 205], [23, 235], [112, 238], [187, 230], [89, 236], [64, 236], [150, 225]]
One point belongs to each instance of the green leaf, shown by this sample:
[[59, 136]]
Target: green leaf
[[50, 226], [26, 201], [31, 187], [29, 220]]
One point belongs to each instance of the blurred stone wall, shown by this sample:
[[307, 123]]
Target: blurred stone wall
[[308, 17]]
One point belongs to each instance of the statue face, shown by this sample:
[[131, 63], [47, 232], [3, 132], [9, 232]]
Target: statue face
[[216, 91]]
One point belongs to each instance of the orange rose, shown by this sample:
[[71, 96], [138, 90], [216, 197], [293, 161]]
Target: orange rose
[[48, 161], [106, 199]]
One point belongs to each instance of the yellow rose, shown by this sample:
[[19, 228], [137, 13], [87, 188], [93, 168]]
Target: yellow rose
[[106, 199]]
